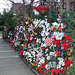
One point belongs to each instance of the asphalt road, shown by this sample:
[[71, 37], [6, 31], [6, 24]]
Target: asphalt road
[[10, 62]]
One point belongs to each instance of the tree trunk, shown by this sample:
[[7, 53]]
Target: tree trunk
[[61, 7], [74, 6], [68, 6], [31, 9]]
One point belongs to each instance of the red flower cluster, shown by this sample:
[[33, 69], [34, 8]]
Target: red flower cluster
[[56, 71], [22, 41], [43, 48], [67, 63], [66, 44], [38, 8], [42, 68], [69, 38], [58, 53], [57, 42]]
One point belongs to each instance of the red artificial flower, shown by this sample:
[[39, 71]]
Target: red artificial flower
[[25, 59], [46, 71], [65, 44], [21, 52], [67, 63], [22, 41], [9, 41], [58, 53], [18, 31], [18, 38], [60, 29], [69, 38], [28, 36], [35, 28], [64, 35], [38, 8], [34, 42], [48, 21], [56, 71], [43, 48], [57, 42], [29, 41], [41, 71]]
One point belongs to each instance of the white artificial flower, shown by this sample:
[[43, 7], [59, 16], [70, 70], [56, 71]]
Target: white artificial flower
[[42, 61], [60, 59], [58, 35], [63, 64], [58, 66], [29, 29], [46, 22], [44, 45], [52, 53], [55, 24], [47, 67], [71, 65], [62, 25], [27, 22], [42, 22], [46, 16], [39, 54], [36, 22], [46, 19], [24, 52], [36, 12], [22, 44], [30, 60]]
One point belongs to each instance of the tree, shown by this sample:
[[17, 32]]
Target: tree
[[68, 6], [24, 3], [8, 18]]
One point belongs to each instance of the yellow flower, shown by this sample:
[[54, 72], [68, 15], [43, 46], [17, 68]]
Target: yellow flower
[[33, 64], [71, 50], [44, 35], [36, 68], [57, 27]]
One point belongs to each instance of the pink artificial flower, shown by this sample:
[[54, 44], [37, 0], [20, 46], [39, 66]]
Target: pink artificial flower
[[52, 28], [48, 58], [64, 26]]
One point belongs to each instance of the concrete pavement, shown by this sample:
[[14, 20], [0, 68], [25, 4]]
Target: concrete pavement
[[10, 62]]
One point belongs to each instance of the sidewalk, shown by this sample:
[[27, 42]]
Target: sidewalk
[[10, 63]]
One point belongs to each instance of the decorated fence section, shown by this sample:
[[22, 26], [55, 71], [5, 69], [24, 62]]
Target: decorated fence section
[[44, 45]]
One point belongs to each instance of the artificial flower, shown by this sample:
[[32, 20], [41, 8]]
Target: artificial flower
[[67, 63]]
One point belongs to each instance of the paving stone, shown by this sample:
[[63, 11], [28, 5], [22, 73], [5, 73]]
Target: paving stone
[[10, 62]]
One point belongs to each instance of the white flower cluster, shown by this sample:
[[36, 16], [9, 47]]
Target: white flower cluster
[[60, 63], [58, 35], [58, 24]]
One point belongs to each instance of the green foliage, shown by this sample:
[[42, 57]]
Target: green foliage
[[70, 22], [53, 17], [8, 19]]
